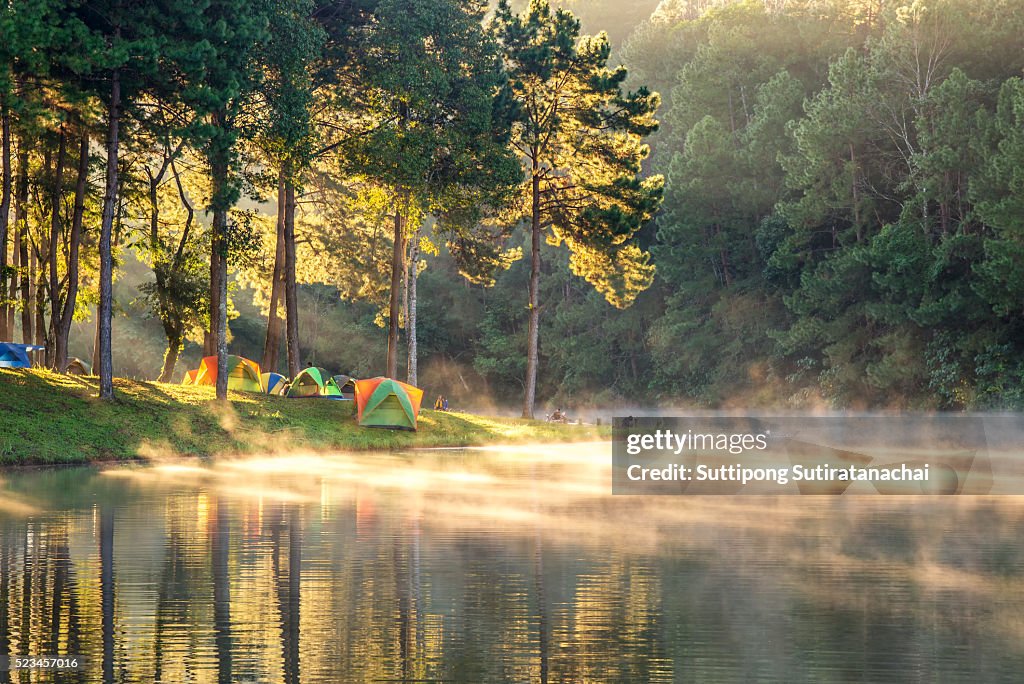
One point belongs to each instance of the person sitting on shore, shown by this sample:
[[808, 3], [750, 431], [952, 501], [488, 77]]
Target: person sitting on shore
[[444, 403], [439, 404]]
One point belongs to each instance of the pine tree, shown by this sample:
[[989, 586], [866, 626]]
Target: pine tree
[[429, 99], [579, 137]]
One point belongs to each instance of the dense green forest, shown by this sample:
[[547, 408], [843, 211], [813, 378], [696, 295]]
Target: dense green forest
[[831, 213]]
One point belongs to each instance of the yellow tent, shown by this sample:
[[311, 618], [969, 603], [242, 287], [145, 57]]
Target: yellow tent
[[243, 374]]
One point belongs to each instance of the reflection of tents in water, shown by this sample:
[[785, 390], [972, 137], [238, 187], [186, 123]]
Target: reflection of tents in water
[[387, 403], [314, 382], [243, 374], [16, 355]]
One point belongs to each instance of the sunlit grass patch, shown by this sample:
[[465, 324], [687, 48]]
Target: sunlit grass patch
[[47, 417]]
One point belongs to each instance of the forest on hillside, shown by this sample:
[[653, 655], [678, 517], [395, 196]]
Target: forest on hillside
[[830, 211]]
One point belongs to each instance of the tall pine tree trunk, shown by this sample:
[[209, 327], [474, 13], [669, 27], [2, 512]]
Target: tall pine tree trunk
[[397, 270], [272, 347], [106, 308], [410, 312], [39, 302], [5, 213], [210, 336], [533, 349], [55, 237], [27, 300], [290, 287], [220, 327], [219, 276], [211, 340], [74, 243], [12, 289], [25, 281]]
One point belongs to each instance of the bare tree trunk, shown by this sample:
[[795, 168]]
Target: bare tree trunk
[[221, 328], [39, 301], [219, 276], [174, 329], [272, 347], [291, 293], [170, 356], [533, 344], [211, 342], [96, 344], [397, 269], [55, 231], [12, 291], [410, 312], [21, 212], [210, 337], [5, 213], [27, 301], [159, 274], [106, 308], [74, 243]]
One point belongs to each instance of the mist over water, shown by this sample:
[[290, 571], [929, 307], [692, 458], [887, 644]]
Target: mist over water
[[498, 564]]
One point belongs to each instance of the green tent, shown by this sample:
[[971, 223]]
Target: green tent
[[386, 403], [314, 382]]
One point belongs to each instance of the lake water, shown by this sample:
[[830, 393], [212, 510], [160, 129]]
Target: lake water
[[497, 565]]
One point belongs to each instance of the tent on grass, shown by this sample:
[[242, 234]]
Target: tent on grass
[[387, 403], [274, 383], [190, 377], [16, 355], [77, 366], [243, 374], [347, 385], [314, 382]]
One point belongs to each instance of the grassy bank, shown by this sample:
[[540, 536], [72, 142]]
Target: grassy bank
[[51, 418]]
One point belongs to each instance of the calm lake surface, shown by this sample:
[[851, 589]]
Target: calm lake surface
[[496, 565]]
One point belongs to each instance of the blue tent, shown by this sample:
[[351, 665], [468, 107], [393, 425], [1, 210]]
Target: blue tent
[[274, 383], [16, 355]]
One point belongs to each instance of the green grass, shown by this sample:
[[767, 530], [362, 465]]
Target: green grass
[[48, 418]]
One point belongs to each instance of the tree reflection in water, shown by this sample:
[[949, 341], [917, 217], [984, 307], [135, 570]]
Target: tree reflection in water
[[496, 566]]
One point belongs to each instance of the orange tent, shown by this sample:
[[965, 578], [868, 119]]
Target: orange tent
[[386, 403], [190, 377], [243, 375]]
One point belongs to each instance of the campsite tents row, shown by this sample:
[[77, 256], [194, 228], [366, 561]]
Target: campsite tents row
[[380, 402], [244, 376], [17, 356]]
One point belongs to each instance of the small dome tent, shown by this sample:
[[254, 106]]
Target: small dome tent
[[314, 382], [386, 403], [243, 374], [347, 385], [17, 355], [77, 366], [274, 383]]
